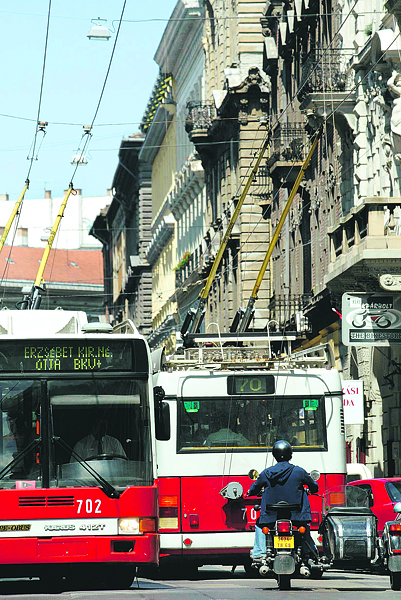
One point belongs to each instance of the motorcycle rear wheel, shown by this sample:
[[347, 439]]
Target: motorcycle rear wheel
[[284, 582]]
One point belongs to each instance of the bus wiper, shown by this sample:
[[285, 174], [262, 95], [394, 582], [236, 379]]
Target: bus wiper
[[31, 446], [107, 488]]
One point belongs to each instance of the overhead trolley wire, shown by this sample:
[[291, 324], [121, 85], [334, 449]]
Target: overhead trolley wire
[[33, 300], [39, 127]]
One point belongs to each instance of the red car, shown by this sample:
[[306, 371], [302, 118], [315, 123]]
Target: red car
[[383, 494]]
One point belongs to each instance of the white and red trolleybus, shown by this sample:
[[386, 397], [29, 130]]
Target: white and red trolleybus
[[77, 472], [224, 408]]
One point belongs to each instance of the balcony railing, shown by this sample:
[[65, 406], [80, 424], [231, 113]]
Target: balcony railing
[[200, 117], [287, 311], [326, 70], [290, 144]]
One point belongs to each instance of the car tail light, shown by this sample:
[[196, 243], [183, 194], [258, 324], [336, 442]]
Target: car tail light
[[395, 528], [284, 526], [168, 512], [315, 518]]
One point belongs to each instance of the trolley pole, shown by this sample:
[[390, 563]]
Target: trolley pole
[[33, 300], [194, 318], [247, 317]]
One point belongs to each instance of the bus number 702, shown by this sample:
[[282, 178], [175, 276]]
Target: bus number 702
[[90, 506]]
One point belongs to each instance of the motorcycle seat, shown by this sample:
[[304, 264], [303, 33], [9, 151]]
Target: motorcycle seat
[[283, 506]]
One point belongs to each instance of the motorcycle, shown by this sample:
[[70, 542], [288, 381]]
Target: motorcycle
[[289, 549], [391, 548], [349, 529]]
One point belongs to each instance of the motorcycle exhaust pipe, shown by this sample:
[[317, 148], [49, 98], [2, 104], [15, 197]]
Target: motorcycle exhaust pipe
[[304, 571], [264, 570]]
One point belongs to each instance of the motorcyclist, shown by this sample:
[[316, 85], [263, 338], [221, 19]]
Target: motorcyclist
[[283, 482]]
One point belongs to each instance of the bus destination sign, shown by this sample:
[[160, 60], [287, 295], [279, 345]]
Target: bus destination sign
[[250, 384], [66, 356]]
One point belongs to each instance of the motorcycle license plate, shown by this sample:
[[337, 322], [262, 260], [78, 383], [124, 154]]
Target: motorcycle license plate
[[283, 541]]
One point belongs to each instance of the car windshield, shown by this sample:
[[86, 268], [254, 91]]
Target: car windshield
[[251, 423], [394, 490]]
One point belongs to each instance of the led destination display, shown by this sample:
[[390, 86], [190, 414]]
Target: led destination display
[[71, 356], [250, 384]]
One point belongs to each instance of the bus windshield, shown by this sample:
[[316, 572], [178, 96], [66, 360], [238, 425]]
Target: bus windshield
[[219, 423], [51, 429]]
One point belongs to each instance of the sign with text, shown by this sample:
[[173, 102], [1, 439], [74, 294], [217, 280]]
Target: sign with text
[[371, 319], [353, 402], [72, 355]]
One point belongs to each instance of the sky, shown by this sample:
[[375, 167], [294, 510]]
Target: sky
[[75, 72]]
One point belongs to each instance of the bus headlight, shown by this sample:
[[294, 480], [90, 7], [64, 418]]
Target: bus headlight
[[136, 525], [128, 526]]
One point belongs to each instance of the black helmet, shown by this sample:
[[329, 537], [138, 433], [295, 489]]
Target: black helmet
[[282, 451]]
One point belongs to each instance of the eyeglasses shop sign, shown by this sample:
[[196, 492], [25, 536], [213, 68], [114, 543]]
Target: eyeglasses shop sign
[[353, 402]]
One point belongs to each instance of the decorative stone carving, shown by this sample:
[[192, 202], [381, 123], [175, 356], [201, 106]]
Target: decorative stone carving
[[394, 85]]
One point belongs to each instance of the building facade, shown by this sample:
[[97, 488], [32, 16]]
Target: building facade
[[123, 228], [178, 194], [337, 67]]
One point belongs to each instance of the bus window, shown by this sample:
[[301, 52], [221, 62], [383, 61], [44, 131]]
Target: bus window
[[20, 425], [240, 422], [105, 423]]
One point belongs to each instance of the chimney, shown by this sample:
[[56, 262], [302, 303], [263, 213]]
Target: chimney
[[4, 197], [78, 192], [109, 192], [48, 194]]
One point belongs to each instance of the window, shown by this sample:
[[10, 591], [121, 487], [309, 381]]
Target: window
[[240, 422], [394, 490], [106, 423]]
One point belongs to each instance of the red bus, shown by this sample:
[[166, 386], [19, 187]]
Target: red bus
[[77, 469], [225, 407]]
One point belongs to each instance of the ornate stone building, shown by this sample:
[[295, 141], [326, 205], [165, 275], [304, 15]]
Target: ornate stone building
[[228, 126], [337, 66], [178, 197], [123, 227]]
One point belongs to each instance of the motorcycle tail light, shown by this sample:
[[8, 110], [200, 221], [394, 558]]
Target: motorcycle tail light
[[395, 528], [302, 529], [265, 530], [284, 526]]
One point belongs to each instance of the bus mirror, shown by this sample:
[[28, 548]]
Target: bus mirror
[[253, 474], [159, 394], [162, 414]]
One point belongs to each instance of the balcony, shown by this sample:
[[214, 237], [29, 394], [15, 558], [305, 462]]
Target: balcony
[[327, 81], [198, 124], [290, 146], [364, 245], [288, 312]]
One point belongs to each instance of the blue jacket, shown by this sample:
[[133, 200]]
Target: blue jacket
[[284, 481]]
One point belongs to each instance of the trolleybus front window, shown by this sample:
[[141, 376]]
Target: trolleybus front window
[[105, 423], [241, 422], [19, 430]]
